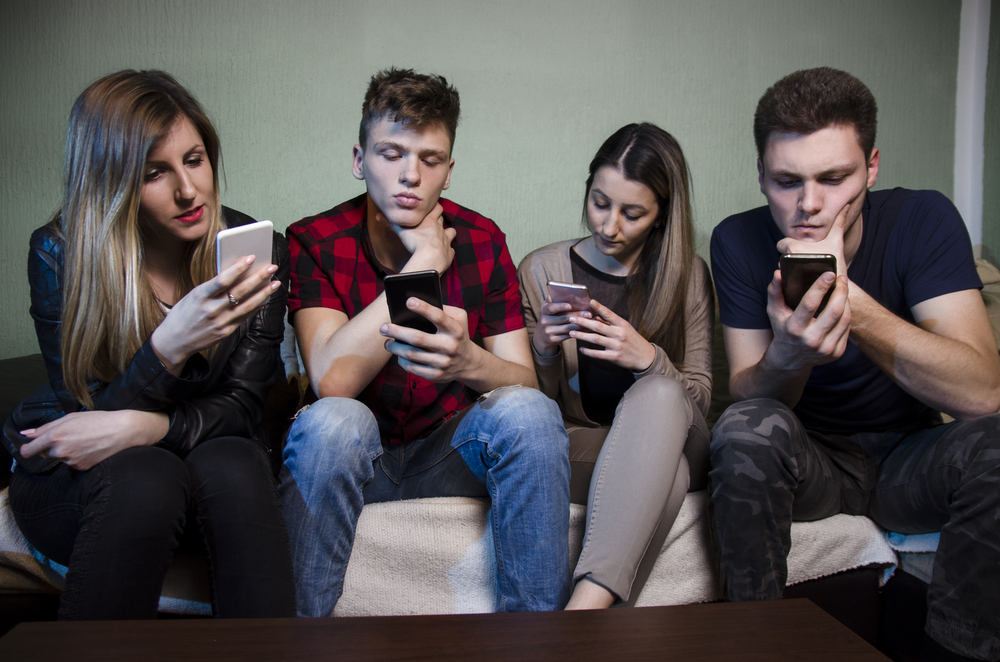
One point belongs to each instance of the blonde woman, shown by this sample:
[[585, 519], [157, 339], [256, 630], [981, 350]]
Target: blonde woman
[[151, 422], [632, 372]]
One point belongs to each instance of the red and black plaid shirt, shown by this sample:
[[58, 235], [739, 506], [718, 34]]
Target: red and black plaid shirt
[[333, 266]]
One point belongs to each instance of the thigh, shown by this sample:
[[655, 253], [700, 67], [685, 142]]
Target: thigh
[[760, 449], [129, 491], [48, 508]]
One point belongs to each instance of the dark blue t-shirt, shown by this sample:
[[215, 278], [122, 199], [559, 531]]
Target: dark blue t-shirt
[[905, 257]]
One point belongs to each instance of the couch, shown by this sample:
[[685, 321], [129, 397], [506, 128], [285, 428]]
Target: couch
[[431, 556]]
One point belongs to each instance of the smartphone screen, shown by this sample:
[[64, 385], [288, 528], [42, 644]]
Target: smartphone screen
[[798, 273], [424, 285], [235, 243], [570, 293]]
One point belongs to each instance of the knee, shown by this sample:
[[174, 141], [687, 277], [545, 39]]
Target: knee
[[752, 433], [979, 451], [152, 484], [524, 423], [658, 393], [330, 433]]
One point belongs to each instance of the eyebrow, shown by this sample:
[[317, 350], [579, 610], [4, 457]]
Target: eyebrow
[[188, 153], [632, 205], [845, 169]]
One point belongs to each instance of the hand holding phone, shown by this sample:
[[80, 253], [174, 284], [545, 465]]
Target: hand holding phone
[[424, 285], [577, 296], [798, 273]]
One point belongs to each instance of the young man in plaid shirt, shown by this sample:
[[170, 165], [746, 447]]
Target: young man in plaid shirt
[[398, 415]]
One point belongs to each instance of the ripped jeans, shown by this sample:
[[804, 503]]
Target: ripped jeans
[[510, 446]]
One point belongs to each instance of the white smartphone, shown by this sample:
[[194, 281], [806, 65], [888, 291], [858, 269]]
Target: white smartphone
[[251, 239], [577, 295]]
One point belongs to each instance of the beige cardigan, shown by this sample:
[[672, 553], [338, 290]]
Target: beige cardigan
[[557, 375]]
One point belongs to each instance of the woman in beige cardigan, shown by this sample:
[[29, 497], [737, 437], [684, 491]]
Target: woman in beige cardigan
[[633, 373]]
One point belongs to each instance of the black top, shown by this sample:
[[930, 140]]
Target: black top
[[602, 383]]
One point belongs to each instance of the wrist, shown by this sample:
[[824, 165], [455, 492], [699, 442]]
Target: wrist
[[542, 348], [172, 357], [643, 363]]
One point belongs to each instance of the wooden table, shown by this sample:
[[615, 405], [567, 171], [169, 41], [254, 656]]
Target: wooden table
[[778, 630]]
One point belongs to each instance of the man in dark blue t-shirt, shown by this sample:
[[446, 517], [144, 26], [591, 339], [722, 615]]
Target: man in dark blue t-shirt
[[838, 411]]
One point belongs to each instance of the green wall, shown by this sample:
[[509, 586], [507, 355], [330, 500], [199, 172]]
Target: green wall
[[991, 164], [542, 85]]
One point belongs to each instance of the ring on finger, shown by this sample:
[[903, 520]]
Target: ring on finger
[[233, 300]]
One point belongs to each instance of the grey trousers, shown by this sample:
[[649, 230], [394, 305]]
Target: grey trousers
[[633, 477], [768, 470]]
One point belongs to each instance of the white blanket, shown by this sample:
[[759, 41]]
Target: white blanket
[[431, 556]]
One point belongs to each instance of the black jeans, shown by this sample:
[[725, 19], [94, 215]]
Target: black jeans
[[116, 527], [768, 471]]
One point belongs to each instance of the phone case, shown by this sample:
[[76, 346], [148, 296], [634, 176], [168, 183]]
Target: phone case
[[424, 285], [252, 239], [798, 273]]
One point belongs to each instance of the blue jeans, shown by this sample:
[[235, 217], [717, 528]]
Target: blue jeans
[[510, 446]]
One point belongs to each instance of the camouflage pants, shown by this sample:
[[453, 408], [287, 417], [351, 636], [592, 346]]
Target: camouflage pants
[[768, 471]]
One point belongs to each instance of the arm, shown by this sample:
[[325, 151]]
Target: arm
[[532, 274], [775, 363], [343, 355], [948, 360], [450, 355]]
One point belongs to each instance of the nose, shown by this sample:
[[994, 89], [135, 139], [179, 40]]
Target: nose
[[811, 199], [612, 223], [410, 174], [185, 186]]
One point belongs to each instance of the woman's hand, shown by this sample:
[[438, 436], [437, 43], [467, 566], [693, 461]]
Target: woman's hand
[[211, 312], [554, 326], [622, 344], [85, 438]]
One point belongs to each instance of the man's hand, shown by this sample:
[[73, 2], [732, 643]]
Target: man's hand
[[800, 340], [832, 244], [445, 356], [428, 243], [775, 363], [83, 439]]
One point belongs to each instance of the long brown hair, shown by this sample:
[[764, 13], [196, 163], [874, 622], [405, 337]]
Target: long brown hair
[[658, 281], [108, 308]]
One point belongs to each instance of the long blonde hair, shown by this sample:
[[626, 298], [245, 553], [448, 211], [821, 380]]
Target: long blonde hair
[[658, 281], [108, 307]]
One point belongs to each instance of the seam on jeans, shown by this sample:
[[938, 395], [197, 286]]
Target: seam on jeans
[[497, 549], [610, 443], [86, 551]]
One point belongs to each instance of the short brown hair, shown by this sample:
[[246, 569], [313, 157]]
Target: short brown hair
[[813, 99], [416, 100]]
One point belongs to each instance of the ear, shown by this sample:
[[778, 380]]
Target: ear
[[358, 168], [760, 174], [873, 162], [447, 180]]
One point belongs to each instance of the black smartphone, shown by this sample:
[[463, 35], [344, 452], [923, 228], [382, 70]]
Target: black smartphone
[[799, 271], [424, 285]]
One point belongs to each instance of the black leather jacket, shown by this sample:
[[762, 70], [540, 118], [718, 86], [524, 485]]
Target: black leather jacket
[[208, 400]]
